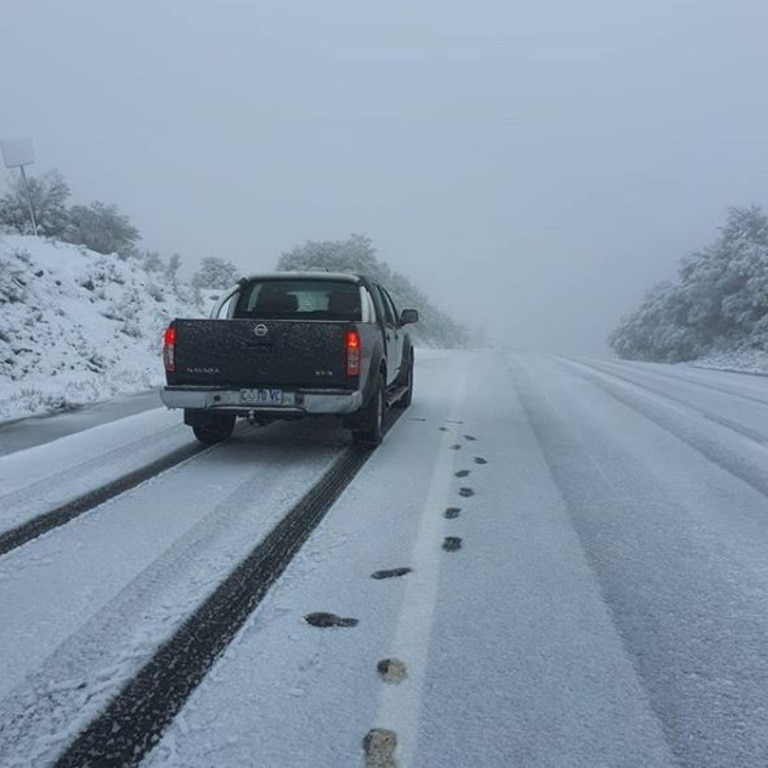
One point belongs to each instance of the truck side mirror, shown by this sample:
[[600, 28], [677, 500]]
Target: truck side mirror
[[408, 316]]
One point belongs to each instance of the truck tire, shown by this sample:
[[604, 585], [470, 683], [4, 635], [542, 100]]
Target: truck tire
[[407, 398], [368, 432], [215, 430]]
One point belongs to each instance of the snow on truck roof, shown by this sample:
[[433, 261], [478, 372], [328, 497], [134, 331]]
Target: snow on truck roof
[[336, 276]]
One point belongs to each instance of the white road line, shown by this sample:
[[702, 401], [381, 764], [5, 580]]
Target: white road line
[[399, 706]]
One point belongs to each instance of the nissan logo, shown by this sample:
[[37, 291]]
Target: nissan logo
[[261, 330]]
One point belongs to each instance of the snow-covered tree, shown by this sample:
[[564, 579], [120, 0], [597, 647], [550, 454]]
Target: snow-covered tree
[[215, 273], [719, 302], [172, 268], [103, 229], [357, 255], [152, 261], [48, 194]]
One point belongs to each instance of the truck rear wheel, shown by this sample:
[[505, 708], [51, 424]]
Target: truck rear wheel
[[215, 429], [368, 432]]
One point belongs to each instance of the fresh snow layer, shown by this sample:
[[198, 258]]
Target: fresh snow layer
[[85, 605], [607, 605], [745, 361], [40, 479], [511, 655], [78, 327]]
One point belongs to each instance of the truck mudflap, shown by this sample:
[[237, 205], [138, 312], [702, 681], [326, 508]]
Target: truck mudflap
[[263, 400]]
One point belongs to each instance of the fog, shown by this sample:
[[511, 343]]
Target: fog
[[533, 167]]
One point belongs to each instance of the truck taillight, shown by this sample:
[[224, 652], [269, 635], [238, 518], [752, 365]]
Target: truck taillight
[[169, 350], [353, 353]]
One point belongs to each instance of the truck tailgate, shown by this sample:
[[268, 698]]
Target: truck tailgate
[[253, 353]]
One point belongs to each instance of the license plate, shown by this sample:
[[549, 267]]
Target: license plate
[[261, 396]]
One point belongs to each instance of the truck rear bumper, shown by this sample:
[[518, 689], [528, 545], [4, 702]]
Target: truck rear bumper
[[294, 403]]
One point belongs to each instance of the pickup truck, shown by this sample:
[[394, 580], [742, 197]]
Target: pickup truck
[[288, 345]]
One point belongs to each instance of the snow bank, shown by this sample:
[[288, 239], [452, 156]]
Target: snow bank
[[751, 361], [78, 327]]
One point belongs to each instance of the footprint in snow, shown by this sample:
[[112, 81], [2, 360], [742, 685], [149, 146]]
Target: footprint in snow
[[462, 473], [321, 619], [392, 670], [452, 513], [451, 543], [379, 747], [391, 573], [470, 438], [456, 447], [480, 460], [466, 492]]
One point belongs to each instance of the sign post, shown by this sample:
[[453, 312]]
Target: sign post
[[16, 154]]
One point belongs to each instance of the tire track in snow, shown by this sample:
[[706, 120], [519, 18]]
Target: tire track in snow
[[21, 534], [540, 415], [693, 636], [82, 674], [678, 378], [133, 723], [748, 469], [95, 463], [759, 437]]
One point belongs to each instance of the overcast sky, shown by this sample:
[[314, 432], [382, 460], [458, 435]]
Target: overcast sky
[[532, 166]]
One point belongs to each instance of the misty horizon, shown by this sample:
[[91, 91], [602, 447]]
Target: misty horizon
[[535, 171]]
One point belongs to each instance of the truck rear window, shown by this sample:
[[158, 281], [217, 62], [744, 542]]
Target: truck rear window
[[299, 300]]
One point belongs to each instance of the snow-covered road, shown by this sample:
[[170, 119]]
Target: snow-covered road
[[38, 430], [588, 580]]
